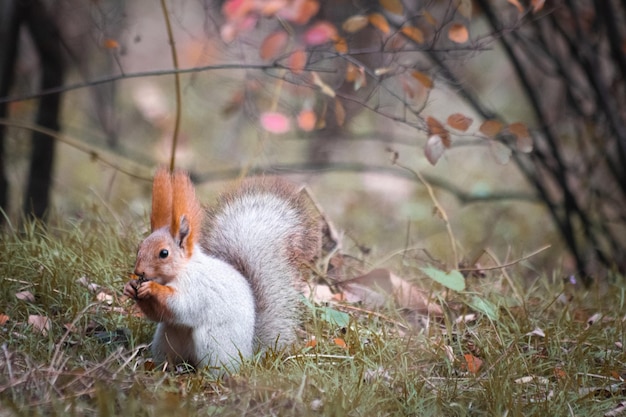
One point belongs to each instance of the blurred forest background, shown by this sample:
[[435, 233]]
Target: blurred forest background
[[513, 111]]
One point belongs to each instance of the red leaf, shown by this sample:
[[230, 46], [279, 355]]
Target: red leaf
[[490, 128], [436, 128], [472, 363], [340, 342], [413, 33], [424, 79], [3, 319]]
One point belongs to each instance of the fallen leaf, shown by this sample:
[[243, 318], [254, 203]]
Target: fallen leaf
[[523, 140], [472, 363], [536, 332], [110, 44], [341, 45], [380, 285], [40, 323], [3, 319], [25, 296], [312, 342], [340, 342], [103, 297], [275, 122]]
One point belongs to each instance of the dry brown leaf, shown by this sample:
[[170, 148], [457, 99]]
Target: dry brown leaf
[[3, 319], [273, 45], [297, 61], [40, 323], [436, 128], [490, 128], [25, 296], [413, 33], [459, 121], [523, 140], [379, 22], [340, 342], [392, 6], [458, 33], [374, 288], [340, 113], [355, 23], [424, 79], [472, 363], [351, 72], [341, 45], [430, 19]]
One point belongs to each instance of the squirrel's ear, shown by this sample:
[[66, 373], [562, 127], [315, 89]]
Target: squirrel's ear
[[183, 231], [161, 199], [186, 212]]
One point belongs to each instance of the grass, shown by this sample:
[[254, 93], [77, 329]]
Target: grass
[[92, 360]]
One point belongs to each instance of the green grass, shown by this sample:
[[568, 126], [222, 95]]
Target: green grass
[[93, 359]]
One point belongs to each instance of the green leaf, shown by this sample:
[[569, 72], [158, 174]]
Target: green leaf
[[334, 317], [485, 307], [453, 279]]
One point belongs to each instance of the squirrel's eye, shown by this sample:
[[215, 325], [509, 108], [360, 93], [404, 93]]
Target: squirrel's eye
[[163, 254]]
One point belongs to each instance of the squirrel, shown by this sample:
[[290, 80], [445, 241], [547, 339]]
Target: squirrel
[[222, 283]]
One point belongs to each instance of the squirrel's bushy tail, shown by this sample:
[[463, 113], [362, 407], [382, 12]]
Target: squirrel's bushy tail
[[266, 230]]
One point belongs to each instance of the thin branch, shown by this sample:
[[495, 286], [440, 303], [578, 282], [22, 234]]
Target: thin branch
[[170, 35]]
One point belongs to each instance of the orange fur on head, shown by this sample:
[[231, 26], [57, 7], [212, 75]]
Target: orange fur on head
[[161, 199], [184, 203]]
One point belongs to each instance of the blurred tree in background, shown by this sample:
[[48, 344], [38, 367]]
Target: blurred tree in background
[[313, 68]]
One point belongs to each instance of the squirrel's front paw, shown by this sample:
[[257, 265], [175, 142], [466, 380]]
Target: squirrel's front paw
[[130, 289], [144, 290]]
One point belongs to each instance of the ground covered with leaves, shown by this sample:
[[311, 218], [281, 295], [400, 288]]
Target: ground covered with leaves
[[70, 344]]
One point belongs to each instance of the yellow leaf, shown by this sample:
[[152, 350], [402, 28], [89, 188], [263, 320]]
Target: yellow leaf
[[355, 23], [392, 6], [458, 33], [413, 33], [424, 79], [379, 22], [459, 122]]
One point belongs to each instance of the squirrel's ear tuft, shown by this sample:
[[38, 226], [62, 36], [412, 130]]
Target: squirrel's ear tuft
[[161, 199], [186, 212]]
